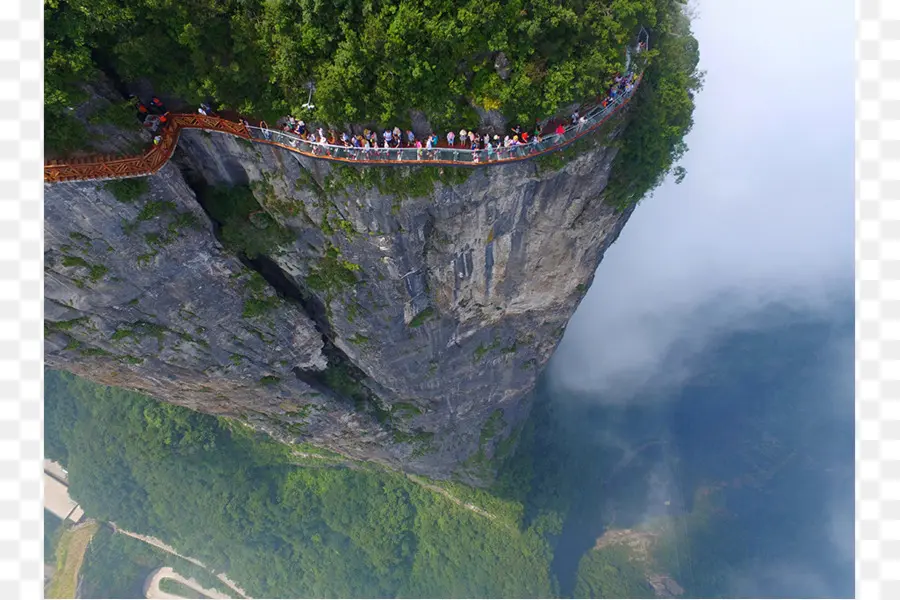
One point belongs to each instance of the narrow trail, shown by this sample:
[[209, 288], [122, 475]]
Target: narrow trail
[[439, 490]]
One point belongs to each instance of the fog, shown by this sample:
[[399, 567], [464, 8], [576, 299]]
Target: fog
[[764, 215], [762, 225]]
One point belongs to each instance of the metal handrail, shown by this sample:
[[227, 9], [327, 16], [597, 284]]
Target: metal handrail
[[462, 156], [106, 167]]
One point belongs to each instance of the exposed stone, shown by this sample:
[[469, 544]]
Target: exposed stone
[[462, 295]]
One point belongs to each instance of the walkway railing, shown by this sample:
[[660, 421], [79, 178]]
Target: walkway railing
[[109, 167]]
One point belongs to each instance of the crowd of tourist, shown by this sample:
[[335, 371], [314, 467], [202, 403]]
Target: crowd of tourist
[[485, 146], [482, 145]]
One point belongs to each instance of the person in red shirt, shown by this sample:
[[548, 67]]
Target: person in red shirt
[[157, 104], [560, 129]]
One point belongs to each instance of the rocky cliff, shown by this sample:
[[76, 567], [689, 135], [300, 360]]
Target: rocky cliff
[[397, 314]]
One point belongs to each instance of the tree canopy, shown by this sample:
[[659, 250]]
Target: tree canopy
[[239, 502], [370, 60]]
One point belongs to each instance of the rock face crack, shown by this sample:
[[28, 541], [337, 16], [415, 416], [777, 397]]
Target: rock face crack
[[339, 366]]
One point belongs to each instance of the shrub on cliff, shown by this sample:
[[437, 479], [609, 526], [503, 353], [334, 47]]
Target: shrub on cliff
[[245, 227], [661, 114]]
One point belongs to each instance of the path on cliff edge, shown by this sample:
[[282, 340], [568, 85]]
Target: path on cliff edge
[[439, 490], [152, 591]]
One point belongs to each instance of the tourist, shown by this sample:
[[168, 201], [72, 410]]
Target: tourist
[[450, 138], [462, 138], [157, 105], [575, 116], [410, 137], [143, 113], [560, 129], [301, 128]]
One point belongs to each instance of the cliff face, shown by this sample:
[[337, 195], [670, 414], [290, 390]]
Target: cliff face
[[405, 323]]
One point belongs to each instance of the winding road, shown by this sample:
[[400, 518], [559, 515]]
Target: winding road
[[151, 585]]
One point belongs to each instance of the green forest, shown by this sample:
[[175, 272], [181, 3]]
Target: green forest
[[373, 61], [236, 501], [285, 526]]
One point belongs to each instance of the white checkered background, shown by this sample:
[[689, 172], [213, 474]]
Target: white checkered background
[[878, 299], [878, 269], [21, 272]]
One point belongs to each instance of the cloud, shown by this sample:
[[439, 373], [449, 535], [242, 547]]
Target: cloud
[[764, 216]]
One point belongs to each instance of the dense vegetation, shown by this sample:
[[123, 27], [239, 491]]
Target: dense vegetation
[[52, 530], [661, 114], [747, 485], [611, 573], [116, 566], [371, 60], [235, 501]]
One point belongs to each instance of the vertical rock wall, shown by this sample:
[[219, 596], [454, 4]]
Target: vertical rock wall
[[435, 295]]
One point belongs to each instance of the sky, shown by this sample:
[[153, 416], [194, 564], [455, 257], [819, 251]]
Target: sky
[[765, 213]]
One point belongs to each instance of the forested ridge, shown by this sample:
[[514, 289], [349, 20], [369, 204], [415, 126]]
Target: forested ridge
[[375, 61], [238, 502]]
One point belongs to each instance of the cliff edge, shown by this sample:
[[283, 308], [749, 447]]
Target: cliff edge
[[395, 314]]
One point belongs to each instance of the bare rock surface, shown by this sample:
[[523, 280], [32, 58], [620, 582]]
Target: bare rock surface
[[462, 287]]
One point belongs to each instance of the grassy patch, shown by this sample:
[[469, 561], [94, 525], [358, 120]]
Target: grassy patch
[[269, 380], [53, 530], [490, 428], [341, 380], [420, 440], [79, 237], [482, 350], [65, 326], [420, 318], [128, 190], [332, 274], [260, 303], [358, 339], [95, 272], [155, 208], [69, 557], [245, 227], [405, 410], [139, 330]]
